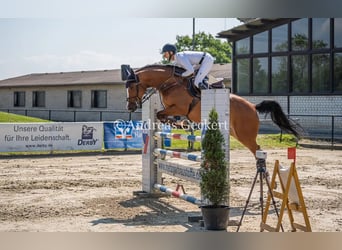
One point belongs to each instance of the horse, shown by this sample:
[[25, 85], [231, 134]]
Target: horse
[[178, 101]]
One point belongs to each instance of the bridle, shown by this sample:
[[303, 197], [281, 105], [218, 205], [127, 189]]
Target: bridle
[[148, 92], [135, 99]]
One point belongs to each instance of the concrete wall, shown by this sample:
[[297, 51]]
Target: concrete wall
[[56, 97], [56, 103]]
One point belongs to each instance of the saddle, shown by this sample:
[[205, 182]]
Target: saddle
[[213, 83], [195, 92]]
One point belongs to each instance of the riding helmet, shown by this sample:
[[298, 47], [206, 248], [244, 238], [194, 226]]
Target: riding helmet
[[169, 47]]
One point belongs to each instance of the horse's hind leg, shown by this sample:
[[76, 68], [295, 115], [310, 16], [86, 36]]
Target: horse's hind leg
[[246, 133], [250, 143]]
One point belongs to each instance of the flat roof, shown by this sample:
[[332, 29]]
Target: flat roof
[[65, 78], [252, 27], [112, 76]]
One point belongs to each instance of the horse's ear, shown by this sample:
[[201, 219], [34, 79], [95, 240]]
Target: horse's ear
[[126, 71]]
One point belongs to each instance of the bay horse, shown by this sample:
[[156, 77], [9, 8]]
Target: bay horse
[[177, 101]]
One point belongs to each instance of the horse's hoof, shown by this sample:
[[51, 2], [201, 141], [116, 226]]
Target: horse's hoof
[[161, 118], [171, 121]]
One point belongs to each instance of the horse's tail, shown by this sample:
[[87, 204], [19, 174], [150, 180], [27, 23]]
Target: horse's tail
[[278, 117]]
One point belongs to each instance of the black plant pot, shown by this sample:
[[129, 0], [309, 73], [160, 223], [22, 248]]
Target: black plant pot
[[215, 217]]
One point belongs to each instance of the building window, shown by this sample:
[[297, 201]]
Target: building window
[[338, 72], [99, 99], [321, 73], [19, 99], [301, 57], [260, 42], [242, 78], [320, 33], [280, 38], [338, 32], [300, 69], [74, 99], [300, 35], [38, 99], [242, 46], [279, 74], [260, 75]]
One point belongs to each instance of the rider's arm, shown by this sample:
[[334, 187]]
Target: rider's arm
[[184, 62]]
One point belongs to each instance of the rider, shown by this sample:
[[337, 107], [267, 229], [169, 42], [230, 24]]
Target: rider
[[191, 61]]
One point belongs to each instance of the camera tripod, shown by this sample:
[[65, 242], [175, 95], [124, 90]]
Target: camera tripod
[[261, 172]]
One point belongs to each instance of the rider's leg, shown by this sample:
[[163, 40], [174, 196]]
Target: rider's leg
[[203, 72]]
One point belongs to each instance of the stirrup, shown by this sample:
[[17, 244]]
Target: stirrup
[[203, 85]]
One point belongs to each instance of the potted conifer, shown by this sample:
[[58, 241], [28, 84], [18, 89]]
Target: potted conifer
[[214, 183]]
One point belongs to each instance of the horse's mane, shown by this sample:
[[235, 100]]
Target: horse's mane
[[160, 66]]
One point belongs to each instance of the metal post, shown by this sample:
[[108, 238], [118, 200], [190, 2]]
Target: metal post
[[332, 131], [193, 34]]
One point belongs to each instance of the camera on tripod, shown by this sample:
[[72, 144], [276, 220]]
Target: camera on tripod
[[262, 173], [259, 154]]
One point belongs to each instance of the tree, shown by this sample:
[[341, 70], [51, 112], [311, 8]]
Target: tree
[[219, 49], [214, 184]]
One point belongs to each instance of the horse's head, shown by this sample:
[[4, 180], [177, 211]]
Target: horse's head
[[150, 76], [135, 90]]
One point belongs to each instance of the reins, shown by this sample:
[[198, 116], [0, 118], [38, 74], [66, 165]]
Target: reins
[[148, 94], [161, 88]]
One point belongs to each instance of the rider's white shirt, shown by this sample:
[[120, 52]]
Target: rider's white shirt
[[189, 60]]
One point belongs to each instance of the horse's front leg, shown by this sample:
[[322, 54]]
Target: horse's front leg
[[162, 117], [169, 111]]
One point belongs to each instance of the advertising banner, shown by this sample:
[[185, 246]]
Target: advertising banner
[[123, 135], [18, 137]]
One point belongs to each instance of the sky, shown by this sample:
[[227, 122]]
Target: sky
[[64, 44]]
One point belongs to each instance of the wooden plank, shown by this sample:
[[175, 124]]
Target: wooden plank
[[301, 227], [278, 195], [267, 227], [296, 207]]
